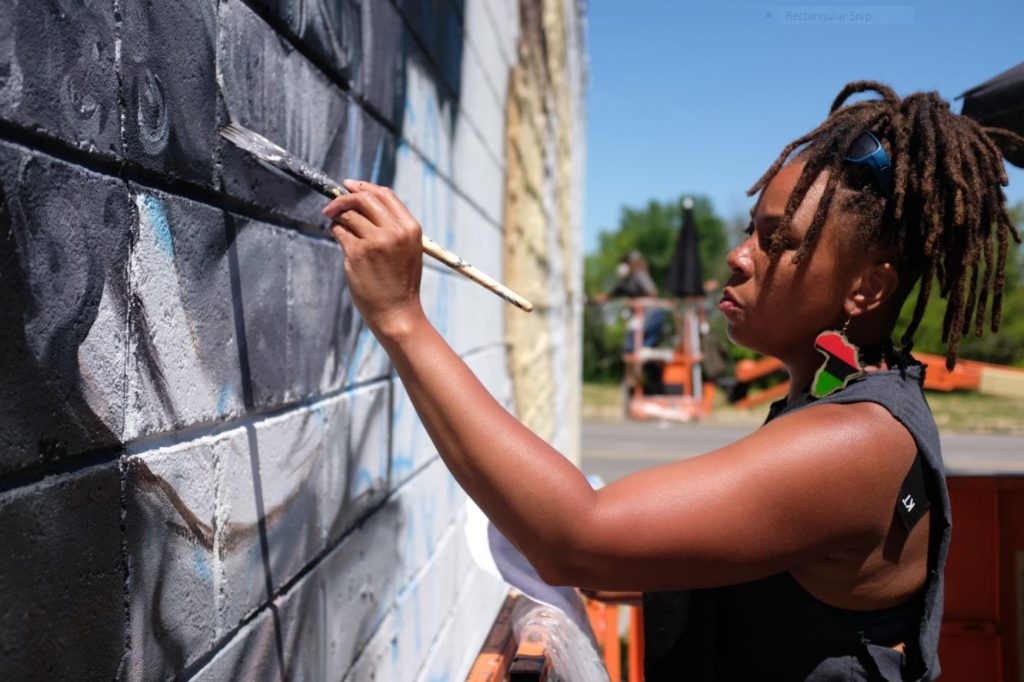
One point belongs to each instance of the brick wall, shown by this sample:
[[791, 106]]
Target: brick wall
[[207, 469]]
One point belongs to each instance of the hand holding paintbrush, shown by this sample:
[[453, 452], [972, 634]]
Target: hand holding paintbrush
[[270, 153]]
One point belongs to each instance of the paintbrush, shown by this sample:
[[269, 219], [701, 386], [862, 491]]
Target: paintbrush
[[283, 160]]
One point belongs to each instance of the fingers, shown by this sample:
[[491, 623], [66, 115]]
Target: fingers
[[367, 203], [387, 197], [356, 223], [399, 213], [346, 239]]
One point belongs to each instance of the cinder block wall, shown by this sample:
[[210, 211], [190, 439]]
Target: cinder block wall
[[207, 469]]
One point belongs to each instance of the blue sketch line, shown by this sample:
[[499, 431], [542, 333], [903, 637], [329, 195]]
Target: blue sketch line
[[157, 219]]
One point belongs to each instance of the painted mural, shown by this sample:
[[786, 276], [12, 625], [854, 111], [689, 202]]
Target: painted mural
[[207, 469]]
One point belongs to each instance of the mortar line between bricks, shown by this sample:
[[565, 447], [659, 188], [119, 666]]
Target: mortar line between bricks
[[39, 142], [491, 87], [197, 666], [205, 429], [418, 574], [101, 456], [25, 478], [442, 629], [137, 173], [422, 569], [439, 75], [123, 169], [334, 76], [122, 472], [493, 21]]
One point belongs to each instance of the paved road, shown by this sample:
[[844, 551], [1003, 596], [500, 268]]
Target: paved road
[[614, 449]]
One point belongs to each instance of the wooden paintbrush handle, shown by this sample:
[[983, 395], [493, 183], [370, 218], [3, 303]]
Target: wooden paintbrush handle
[[456, 263], [483, 279]]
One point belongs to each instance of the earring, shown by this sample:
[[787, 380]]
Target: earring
[[841, 365]]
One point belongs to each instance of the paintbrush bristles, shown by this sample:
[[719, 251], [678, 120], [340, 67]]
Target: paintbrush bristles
[[252, 142], [270, 153], [280, 158]]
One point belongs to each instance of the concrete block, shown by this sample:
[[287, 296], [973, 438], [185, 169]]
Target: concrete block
[[365, 438], [384, 46], [58, 75], [427, 194], [428, 117], [326, 618], [267, 503], [360, 581], [400, 645], [430, 500], [230, 313], [492, 31], [252, 654], [373, 148], [62, 578], [216, 522], [437, 24], [477, 175], [330, 30], [173, 542], [503, 16], [328, 344], [285, 291], [64, 241], [261, 299], [322, 321], [185, 363], [479, 320], [482, 104], [462, 634], [275, 91], [170, 95]]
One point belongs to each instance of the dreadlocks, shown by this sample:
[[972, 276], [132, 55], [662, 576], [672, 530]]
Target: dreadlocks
[[947, 212]]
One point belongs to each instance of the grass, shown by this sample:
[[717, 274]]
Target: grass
[[964, 412], [604, 402], [959, 412]]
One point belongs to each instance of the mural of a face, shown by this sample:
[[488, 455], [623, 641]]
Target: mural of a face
[[203, 452]]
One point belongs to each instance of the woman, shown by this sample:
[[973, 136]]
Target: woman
[[814, 547]]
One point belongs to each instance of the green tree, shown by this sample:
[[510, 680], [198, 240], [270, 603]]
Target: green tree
[[1004, 347], [653, 231]]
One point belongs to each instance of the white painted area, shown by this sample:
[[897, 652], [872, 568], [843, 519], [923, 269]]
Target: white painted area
[[171, 387], [101, 359], [330, 494]]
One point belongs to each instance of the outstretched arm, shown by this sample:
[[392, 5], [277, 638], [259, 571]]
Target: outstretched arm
[[525, 486], [797, 489]]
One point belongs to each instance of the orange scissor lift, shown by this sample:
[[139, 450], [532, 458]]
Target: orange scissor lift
[[685, 396]]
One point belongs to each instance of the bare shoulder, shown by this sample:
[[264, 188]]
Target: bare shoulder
[[860, 432], [818, 481], [873, 449]]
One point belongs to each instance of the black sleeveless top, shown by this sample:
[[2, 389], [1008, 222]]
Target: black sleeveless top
[[773, 629]]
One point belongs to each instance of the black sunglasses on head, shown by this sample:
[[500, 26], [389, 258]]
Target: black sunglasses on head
[[867, 149]]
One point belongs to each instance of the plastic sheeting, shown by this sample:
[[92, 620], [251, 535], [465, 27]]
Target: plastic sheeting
[[570, 650]]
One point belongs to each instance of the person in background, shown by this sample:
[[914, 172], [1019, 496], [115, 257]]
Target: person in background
[[635, 281]]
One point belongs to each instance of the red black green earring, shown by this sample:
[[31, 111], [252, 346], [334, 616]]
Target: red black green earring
[[842, 362]]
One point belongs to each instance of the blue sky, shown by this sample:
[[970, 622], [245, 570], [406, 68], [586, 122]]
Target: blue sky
[[701, 97]]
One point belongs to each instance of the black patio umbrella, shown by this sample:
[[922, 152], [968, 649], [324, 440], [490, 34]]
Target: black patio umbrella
[[999, 103], [684, 275]]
